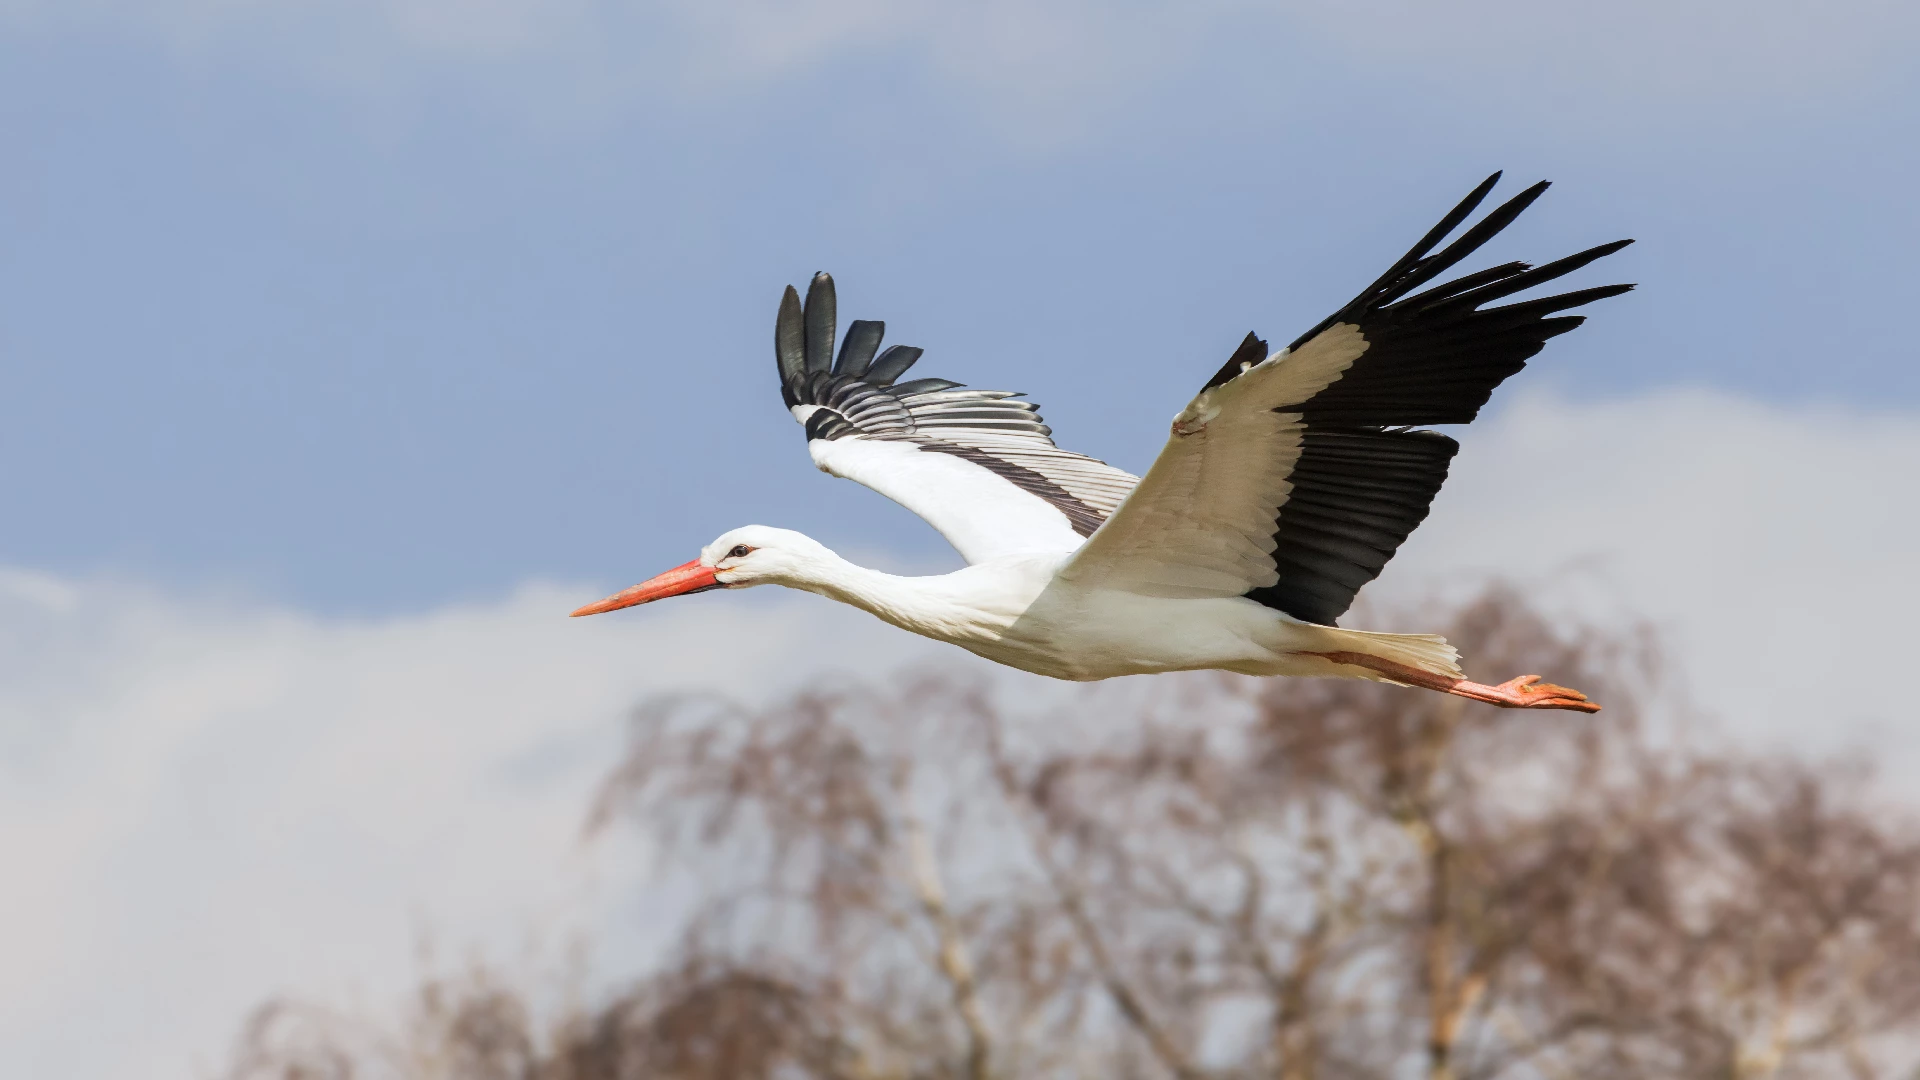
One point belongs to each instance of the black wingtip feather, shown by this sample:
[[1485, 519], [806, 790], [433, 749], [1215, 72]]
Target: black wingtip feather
[[1455, 216], [1528, 310], [1469, 242], [1461, 212], [856, 352], [1467, 283], [1467, 293], [892, 364], [790, 342], [821, 318]]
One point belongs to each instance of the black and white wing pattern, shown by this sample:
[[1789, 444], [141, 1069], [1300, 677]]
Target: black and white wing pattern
[[1293, 477], [978, 465]]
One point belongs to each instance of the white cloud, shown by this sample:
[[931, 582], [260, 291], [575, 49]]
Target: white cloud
[[204, 801]]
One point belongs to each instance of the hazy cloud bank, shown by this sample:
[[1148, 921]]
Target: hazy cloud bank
[[203, 803]]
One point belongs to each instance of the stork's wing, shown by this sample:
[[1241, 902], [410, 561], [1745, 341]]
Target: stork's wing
[[978, 465], [1293, 478]]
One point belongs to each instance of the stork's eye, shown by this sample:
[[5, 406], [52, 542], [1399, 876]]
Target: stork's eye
[[740, 551]]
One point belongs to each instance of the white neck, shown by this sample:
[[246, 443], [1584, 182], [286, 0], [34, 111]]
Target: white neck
[[965, 605], [898, 600]]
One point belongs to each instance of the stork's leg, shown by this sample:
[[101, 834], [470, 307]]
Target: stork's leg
[[1524, 692]]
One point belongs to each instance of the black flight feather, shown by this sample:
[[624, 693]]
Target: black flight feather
[[1467, 293], [790, 342], [1469, 242], [1363, 480], [892, 364], [1434, 235], [921, 386], [856, 352], [820, 322]]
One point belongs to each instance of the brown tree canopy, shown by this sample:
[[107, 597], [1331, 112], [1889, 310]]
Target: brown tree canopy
[[1219, 877]]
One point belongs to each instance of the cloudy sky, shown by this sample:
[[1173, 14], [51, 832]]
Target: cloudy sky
[[345, 344]]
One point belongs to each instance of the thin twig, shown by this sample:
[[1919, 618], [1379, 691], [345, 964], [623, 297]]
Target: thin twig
[[951, 957]]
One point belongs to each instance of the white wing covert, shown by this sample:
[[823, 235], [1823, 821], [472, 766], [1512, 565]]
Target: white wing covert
[[1294, 477], [978, 465]]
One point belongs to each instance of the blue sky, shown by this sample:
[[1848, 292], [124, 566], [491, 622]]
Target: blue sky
[[347, 344], [417, 300]]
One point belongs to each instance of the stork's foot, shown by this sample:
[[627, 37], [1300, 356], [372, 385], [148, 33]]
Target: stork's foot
[[1525, 692]]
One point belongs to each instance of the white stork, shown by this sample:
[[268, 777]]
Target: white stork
[[1284, 487]]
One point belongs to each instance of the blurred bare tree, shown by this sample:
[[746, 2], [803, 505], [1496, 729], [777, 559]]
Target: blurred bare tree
[[1221, 878]]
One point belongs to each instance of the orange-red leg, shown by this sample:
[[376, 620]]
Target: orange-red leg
[[1524, 692]]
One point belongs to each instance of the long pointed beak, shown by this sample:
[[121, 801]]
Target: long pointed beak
[[679, 581]]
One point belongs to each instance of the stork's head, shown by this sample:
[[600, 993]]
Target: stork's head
[[749, 555]]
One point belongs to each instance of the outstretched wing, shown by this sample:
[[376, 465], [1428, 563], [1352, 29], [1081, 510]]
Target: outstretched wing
[[978, 465], [1292, 478]]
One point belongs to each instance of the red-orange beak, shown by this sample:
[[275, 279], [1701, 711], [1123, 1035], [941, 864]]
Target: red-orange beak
[[679, 581]]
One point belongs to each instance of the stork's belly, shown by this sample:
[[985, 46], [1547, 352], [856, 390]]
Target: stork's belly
[[1105, 635]]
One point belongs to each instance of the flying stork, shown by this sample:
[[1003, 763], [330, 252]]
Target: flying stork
[[1284, 487]]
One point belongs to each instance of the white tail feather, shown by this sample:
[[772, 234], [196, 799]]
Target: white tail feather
[[1426, 652]]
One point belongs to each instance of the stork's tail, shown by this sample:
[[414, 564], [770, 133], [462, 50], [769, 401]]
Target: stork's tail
[[1429, 653]]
